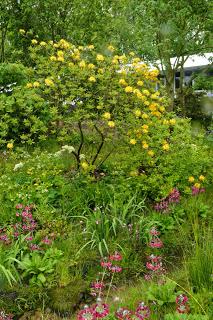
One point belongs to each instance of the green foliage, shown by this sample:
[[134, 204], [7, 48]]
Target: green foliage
[[203, 82], [11, 73], [162, 294], [38, 268], [200, 265], [8, 269], [185, 317]]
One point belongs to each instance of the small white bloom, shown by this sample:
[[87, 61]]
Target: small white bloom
[[58, 153], [116, 299], [18, 166], [82, 156], [69, 149]]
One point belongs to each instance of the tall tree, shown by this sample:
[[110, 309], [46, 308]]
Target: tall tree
[[169, 28], [5, 17]]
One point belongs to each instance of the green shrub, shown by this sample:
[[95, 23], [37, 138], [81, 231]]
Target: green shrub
[[12, 73]]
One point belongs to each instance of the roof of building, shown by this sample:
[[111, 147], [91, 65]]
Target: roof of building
[[193, 61]]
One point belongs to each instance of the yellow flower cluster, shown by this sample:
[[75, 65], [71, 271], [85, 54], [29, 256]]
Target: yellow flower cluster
[[91, 47], [111, 48], [128, 89], [145, 128], [43, 43], [140, 83], [10, 146], [36, 84], [145, 145], [92, 79], [100, 57], [133, 141], [123, 82], [165, 146], [111, 124], [151, 153], [82, 64], [63, 44], [138, 113], [34, 41], [197, 185], [84, 165], [49, 82], [107, 115]]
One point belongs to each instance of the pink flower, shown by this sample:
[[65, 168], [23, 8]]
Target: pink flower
[[195, 191], [29, 238], [19, 206], [156, 243], [24, 214], [86, 314], [100, 310], [174, 196], [16, 234], [97, 285], [154, 232], [106, 264], [34, 247], [154, 258], [182, 299], [162, 206], [116, 256], [148, 277], [115, 269], [183, 308], [153, 266], [142, 311], [46, 241], [123, 314], [4, 237]]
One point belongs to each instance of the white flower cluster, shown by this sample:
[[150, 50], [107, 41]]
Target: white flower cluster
[[65, 148], [82, 156], [18, 166]]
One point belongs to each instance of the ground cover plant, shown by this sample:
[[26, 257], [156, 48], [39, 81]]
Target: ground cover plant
[[105, 195]]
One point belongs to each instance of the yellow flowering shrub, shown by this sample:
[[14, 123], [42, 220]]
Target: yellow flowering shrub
[[112, 99]]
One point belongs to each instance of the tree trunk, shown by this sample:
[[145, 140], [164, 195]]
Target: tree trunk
[[181, 91], [170, 86], [3, 39]]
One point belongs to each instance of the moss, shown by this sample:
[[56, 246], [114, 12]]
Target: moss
[[67, 299]]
